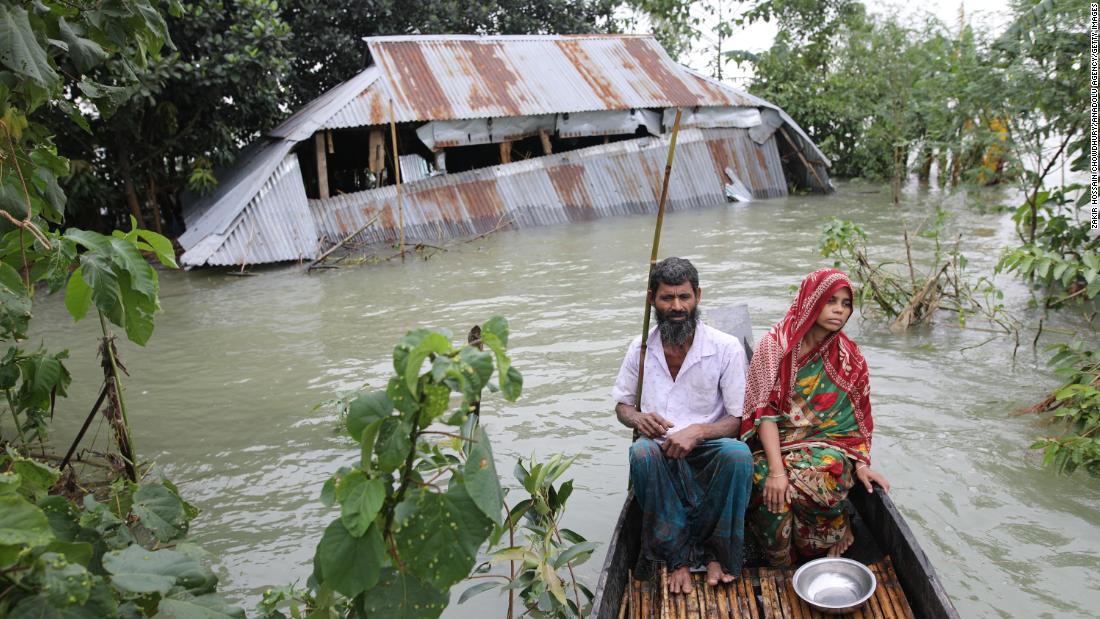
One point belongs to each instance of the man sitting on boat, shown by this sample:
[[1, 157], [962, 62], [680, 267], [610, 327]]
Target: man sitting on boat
[[690, 478]]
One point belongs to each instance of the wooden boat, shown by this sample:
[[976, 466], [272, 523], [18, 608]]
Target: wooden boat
[[907, 583]]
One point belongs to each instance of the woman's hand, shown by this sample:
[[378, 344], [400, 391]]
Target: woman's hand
[[867, 477], [777, 492]]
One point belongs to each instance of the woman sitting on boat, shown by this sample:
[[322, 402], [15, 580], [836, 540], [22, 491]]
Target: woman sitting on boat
[[808, 412]]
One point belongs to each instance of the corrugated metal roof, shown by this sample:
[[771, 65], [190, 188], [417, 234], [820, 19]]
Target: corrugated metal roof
[[589, 183], [276, 225], [316, 113], [212, 214], [433, 77]]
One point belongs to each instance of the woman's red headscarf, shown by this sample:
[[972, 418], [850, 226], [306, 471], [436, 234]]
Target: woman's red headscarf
[[776, 361]]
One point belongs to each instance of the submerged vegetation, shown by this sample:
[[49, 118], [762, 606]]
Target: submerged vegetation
[[425, 495]]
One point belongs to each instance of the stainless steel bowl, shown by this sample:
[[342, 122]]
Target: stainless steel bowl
[[834, 585]]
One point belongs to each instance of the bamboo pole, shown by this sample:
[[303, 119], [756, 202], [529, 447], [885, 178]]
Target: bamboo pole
[[340, 244], [653, 259], [664, 591], [397, 178], [798, 152]]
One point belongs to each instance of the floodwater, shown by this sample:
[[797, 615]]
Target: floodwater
[[223, 396]]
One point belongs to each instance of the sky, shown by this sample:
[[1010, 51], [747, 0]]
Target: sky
[[992, 14]]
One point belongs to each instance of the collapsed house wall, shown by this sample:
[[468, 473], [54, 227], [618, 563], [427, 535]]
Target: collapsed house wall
[[599, 181]]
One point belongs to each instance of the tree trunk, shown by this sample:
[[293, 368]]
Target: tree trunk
[[155, 204], [128, 185]]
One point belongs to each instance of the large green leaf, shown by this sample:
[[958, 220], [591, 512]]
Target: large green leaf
[[143, 279], [78, 295], [138, 311], [400, 595], [136, 570], [432, 343], [15, 305], [183, 605], [37, 478], [100, 603], [85, 53], [360, 501], [365, 410], [162, 247], [480, 361], [161, 511], [350, 564], [439, 540], [498, 326], [106, 294], [64, 582], [480, 476], [19, 48], [22, 522], [392, 445]]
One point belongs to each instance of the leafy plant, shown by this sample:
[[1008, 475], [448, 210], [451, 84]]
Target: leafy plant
[[906, 294], [546, 551], [421, 501], [1074, 407], [119, 557]]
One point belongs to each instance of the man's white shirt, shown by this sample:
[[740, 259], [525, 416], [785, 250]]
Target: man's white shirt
[[709, 386]]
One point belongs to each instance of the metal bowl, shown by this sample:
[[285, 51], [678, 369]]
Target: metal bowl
[[834, 585]]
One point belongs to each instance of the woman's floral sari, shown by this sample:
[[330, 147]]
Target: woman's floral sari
[[824, 424]]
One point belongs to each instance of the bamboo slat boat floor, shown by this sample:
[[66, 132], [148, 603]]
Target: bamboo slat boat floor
[[760, 593]]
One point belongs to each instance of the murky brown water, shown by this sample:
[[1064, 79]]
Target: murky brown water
[[223, 395]]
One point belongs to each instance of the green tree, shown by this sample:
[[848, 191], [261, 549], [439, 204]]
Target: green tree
[[185, 113], [327, 42]]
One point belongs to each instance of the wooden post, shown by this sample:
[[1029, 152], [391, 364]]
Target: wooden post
[[545, 137], [376, 157], [397, 177], [506, 151], [322, 164], [798, 151]]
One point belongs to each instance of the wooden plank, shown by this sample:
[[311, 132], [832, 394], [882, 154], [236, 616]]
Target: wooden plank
[[322, 164], [545, 137], [692, 601], [886, 601], [901, 604], [711, 597], [506, 151], [776, 578], [636, 596], [681, 605], [645, 607], [772, 610], [749, 607], [874, 607], [733, 596], [721, 600], [799, 609], [891, 592]]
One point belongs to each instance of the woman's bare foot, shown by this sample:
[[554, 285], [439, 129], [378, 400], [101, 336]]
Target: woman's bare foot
[[715, 574], [844, 544], [679, 581]]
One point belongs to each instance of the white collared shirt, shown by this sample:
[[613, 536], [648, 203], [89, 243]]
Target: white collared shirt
[[709, 386]]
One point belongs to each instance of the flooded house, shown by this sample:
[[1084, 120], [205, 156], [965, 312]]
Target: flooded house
[[494, 132]]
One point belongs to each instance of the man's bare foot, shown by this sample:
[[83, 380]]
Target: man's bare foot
[[715, 574], [844, 544], [679, 581]]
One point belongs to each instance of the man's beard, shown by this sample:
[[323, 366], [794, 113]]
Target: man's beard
[[677, 332]]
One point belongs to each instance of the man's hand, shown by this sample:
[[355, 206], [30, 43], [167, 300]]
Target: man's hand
[[680, 444], [652, 425]]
